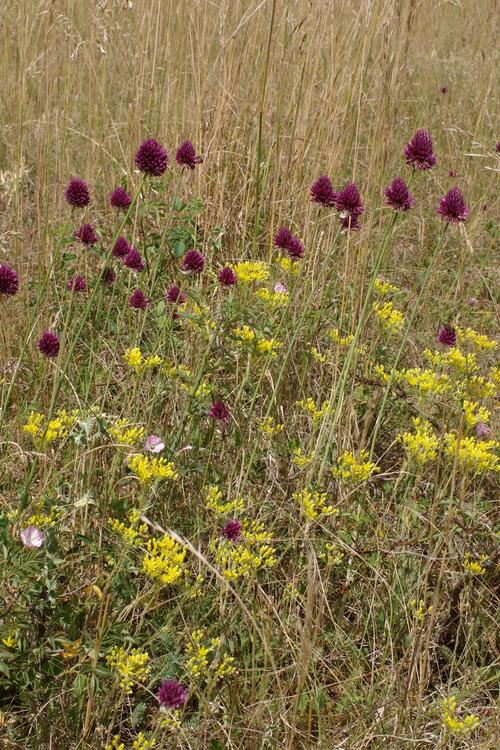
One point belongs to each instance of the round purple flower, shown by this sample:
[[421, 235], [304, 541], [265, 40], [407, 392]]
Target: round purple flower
[[121, 248], [134, 261], [447, 335], [172, 694], [49, 344], [444, 89], [120, 199], [77, 193], [452, 207], [350, 221], [419, 152], [482, 430], [108, 276], [398, 196], [9, 280], [348, 200], [86, 235], [227, 277], [151, 158], [138, 300], [219, 412], [322, 192], [76, 284], [174, 295], [232, 530], [284, 240], [193, 261], [185, 155], [497, 147]]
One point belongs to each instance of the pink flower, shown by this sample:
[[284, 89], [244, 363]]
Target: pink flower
[[279, 287], [32, 538], [154, 444]]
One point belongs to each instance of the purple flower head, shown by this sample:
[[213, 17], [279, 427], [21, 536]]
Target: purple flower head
[[497, 147], [284, 240], [444, 89], [451, 173], [49, 344], [193, 262], [121, 248], [154, 444], [232, 530], [185, 155], [227, 277], [86, 235], [398, 196], [447, 335], [138, 300], [9, 280], [473, 301], [350, 221], [452, 207], [134, 261], [419, 153], [151, 158], [348, 200], [174, 295], [322, 192], [108, 276], [32, 538], [219, 412], [120, 199], [482, 430], [76, 284], [172, 694], [77, 193], [280, 288]]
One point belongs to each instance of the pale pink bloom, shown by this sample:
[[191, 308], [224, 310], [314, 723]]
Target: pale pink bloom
[[279, 287], [473, 301], [32, 538], [154, 444], [482, 430]]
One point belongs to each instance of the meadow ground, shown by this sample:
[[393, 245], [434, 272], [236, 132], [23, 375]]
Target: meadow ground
[[248, 455]]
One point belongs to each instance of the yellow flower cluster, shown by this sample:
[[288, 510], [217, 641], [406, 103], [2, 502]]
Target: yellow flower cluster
[[478, 387], [249, 270], [40, 518], [472, 455], [201, 651], [422, 445], [288, 265], [135, 359], [475, 565], [140, 743], [148, 469], [335, 336], [57, 428], [316, 412], [274, 300], [474, 413], [383, 288], [453, 724], [420, 610], [122, 432], [254, 531], [332, 554], [317, 356], [10, 639], [242, 559], [425, 381], [479, 340], [131, 667], [269, 427], [301, 459], [390, 317], [133, 532], [352, 469], [213, 498], [247, 337], [314, 505], [165, 560]]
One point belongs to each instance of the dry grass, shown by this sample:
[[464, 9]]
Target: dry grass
[[273, 94]]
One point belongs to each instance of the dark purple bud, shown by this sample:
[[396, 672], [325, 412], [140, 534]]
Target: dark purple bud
[[151, 158], [193, 262], [134, 261], [172, 694], [9, 280], [49, 344], [419, 153], [322, 192], [120, 199], [452, 207], [227, 277], [77, 193], [447, 335], [185, 155], [138, 300], [86, 235], [232, 530], [398, 196]]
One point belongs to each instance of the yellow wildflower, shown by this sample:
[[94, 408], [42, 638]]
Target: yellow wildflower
[[479, 340], [131, 667], [332, 554], [33, 425], [335, 336], [352, 469], [426, 381], [213, 497], [391, 318], [148, 469], [316, 412], [249, 270], [317, 356], [142, 743], [420, 610], [472, 455], [474, 413], [422, 445], [302, 459], [274, 300], [165, 560], [132, 532], [125, 434], [453, 724], [314, 504], [383, 288], [269, 427], [474, 565], [288, 265]]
